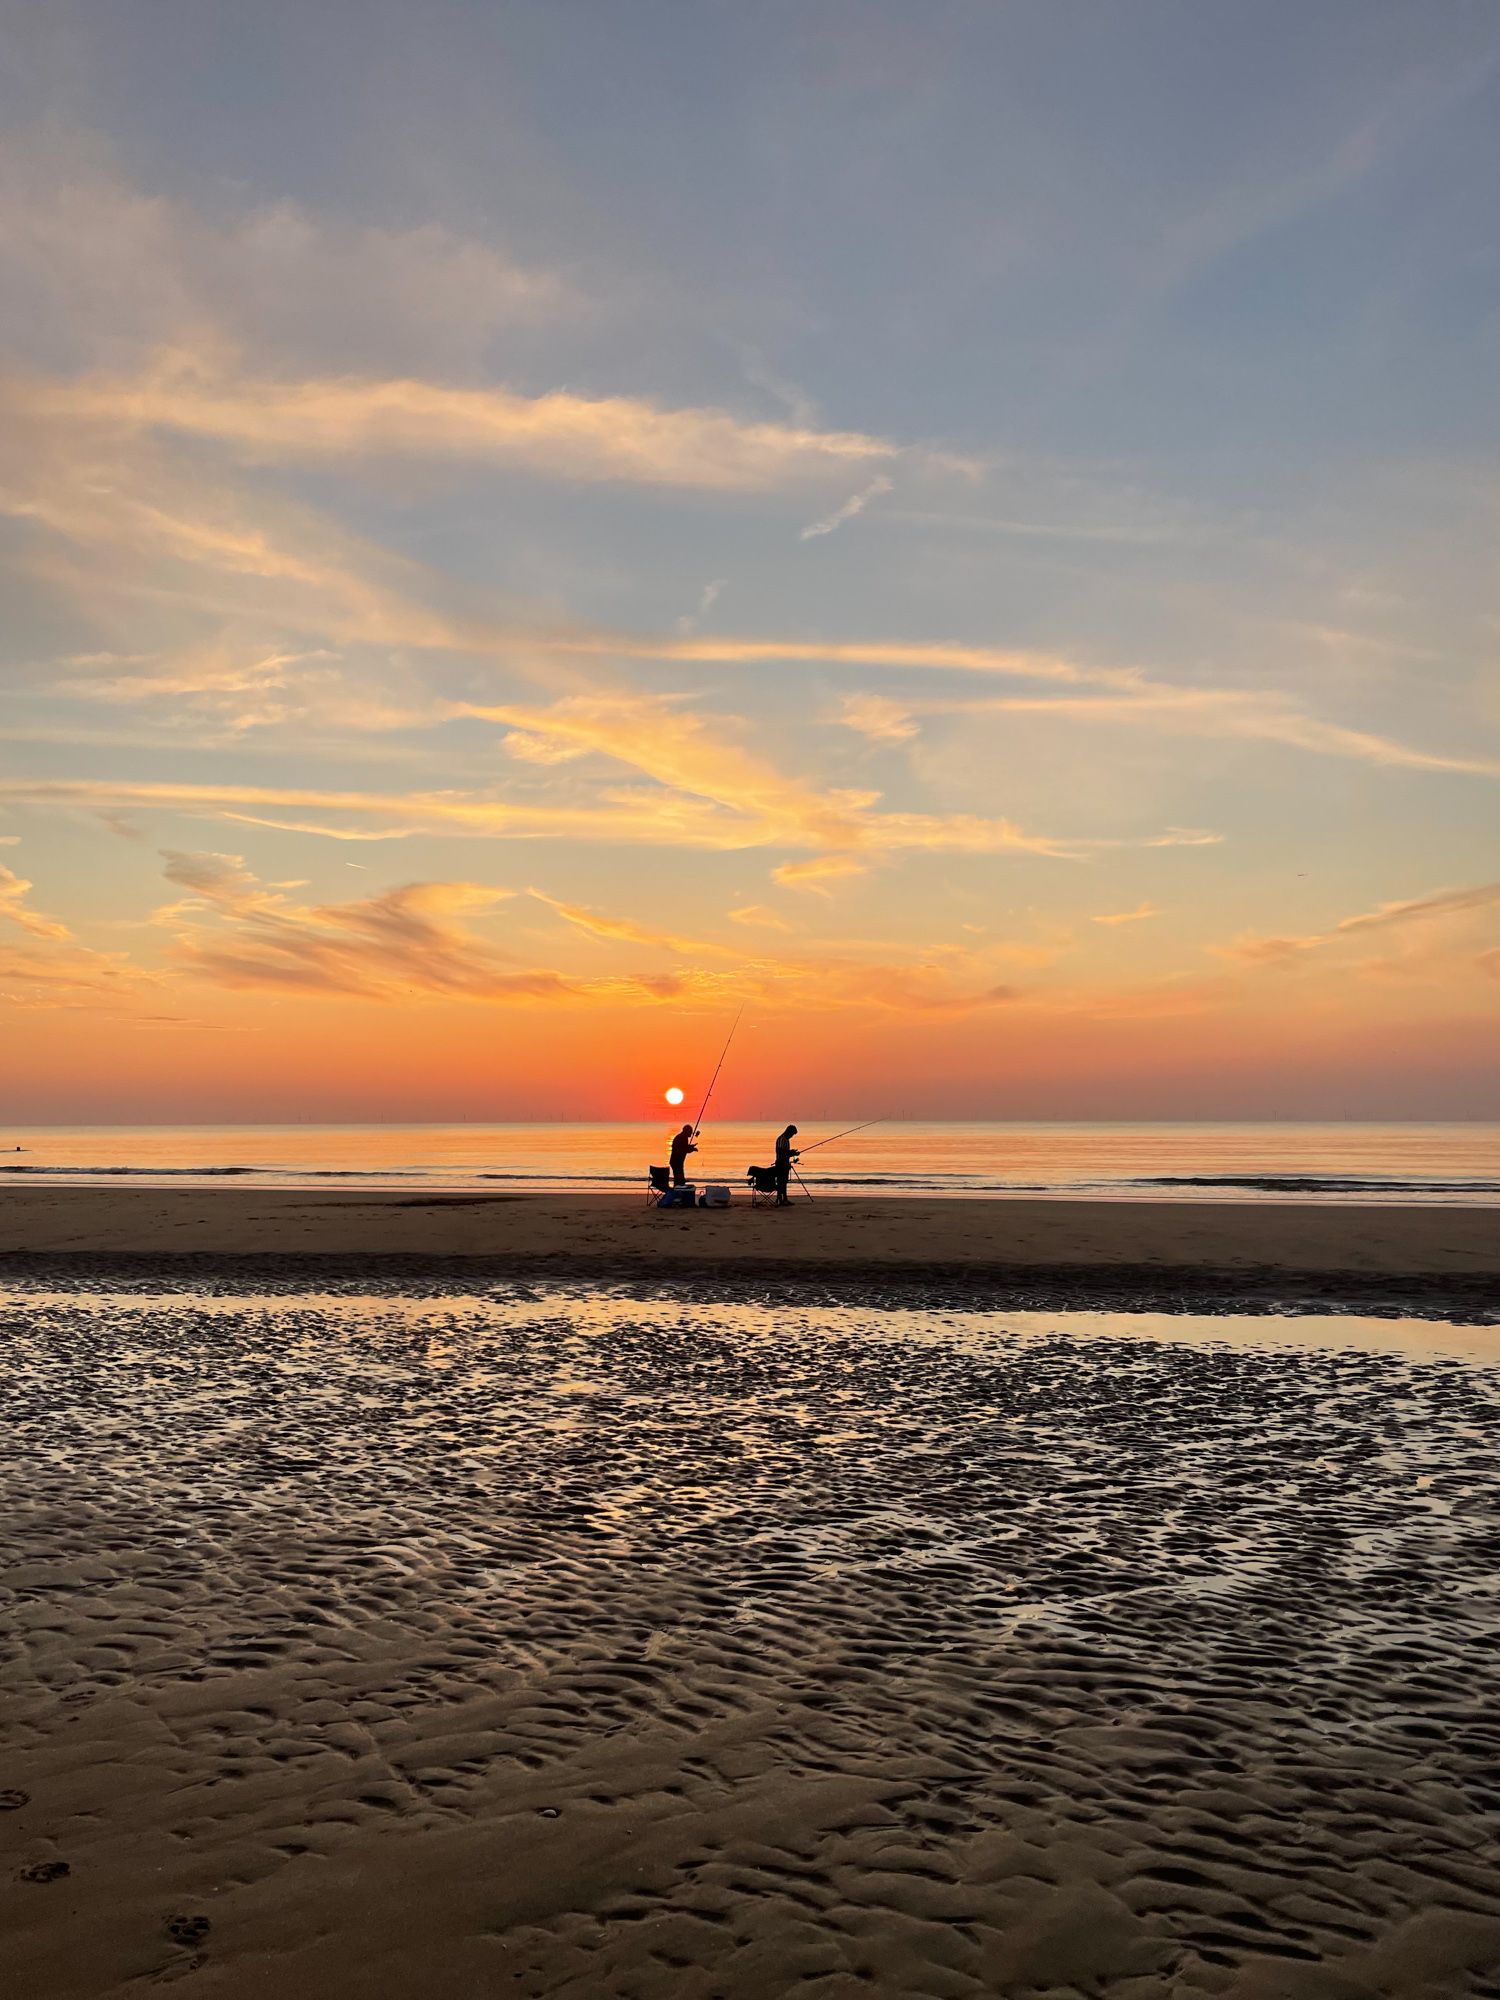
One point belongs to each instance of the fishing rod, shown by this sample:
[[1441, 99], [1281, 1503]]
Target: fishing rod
[[843, 1135], [715, 1077], [828, 1142]]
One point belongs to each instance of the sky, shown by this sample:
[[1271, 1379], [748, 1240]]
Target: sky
[[963, 534]]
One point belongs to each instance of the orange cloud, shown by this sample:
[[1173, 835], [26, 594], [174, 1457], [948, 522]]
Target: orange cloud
[[560, 435], [693, 755], [623, 930], [1130, 916], [55, 974], [690, 754], [813, 874], [729, 651], [409, 944], [634, 816], [13, 892], [405, 942]]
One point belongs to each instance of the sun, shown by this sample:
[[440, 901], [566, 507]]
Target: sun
[[674, 1095]]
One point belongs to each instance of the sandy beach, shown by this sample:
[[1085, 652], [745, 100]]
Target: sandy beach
[[619, 1229]]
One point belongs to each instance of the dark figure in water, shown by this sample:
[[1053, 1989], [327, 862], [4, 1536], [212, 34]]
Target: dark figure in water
[[682, 1145], [786, 1152]]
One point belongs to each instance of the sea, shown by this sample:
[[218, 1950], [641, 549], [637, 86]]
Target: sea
[[1346, 1161]]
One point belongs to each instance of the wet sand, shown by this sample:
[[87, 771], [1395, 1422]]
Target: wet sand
[[1219, 1257], [563, 1641]]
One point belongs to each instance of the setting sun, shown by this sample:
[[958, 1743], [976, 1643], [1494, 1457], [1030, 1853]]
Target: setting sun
[[674, 1095]]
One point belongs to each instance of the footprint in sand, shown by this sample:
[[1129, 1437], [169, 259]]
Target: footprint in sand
[[45, 1871], [13, 1801], [187, 1930]]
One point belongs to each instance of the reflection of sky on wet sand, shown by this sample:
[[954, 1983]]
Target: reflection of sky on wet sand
[[588, 1312], [665, 1417], [1097, 1561]]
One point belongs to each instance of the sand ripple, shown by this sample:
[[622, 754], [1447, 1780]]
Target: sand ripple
[[572, 1643]]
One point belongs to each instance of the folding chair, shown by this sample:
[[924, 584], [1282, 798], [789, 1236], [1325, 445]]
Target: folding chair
[[660, 1184], [762, 1182]]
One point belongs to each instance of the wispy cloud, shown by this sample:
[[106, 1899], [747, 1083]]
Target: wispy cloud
[[693, 755], [403, 944], [849, 976], [854, 505], [759, 916], [410, 943], [52, 970], [1266, 715], [708, 597], [641, 816], [97, 263], [817, 874], [197, 393], [13, 892], [624, 930], [940, 656], [1130, 916], [725, 802], [1445, 903], [1252, 950], [696, 756], [875, 716], [50, 974], [135, 526]]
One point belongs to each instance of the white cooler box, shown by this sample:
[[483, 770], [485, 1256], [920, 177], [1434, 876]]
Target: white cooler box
[[716, 1197]]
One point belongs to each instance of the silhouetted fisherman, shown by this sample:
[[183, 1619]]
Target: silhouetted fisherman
[[682, 1145], [786, 1152]]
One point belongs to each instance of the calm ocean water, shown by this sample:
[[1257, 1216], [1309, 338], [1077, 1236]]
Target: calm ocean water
[[1187, 1162]]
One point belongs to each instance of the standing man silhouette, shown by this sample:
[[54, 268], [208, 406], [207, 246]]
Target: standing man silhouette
[[785, 1154], [682, 1145]]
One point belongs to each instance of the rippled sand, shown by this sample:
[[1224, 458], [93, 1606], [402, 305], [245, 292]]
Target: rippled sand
[[581, 1643]]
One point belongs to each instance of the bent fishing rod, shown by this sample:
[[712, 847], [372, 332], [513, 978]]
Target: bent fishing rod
[[698, 1121]]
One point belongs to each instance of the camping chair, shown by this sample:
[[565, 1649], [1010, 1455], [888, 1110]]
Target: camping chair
[[660, 1184], [762, 1185]]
